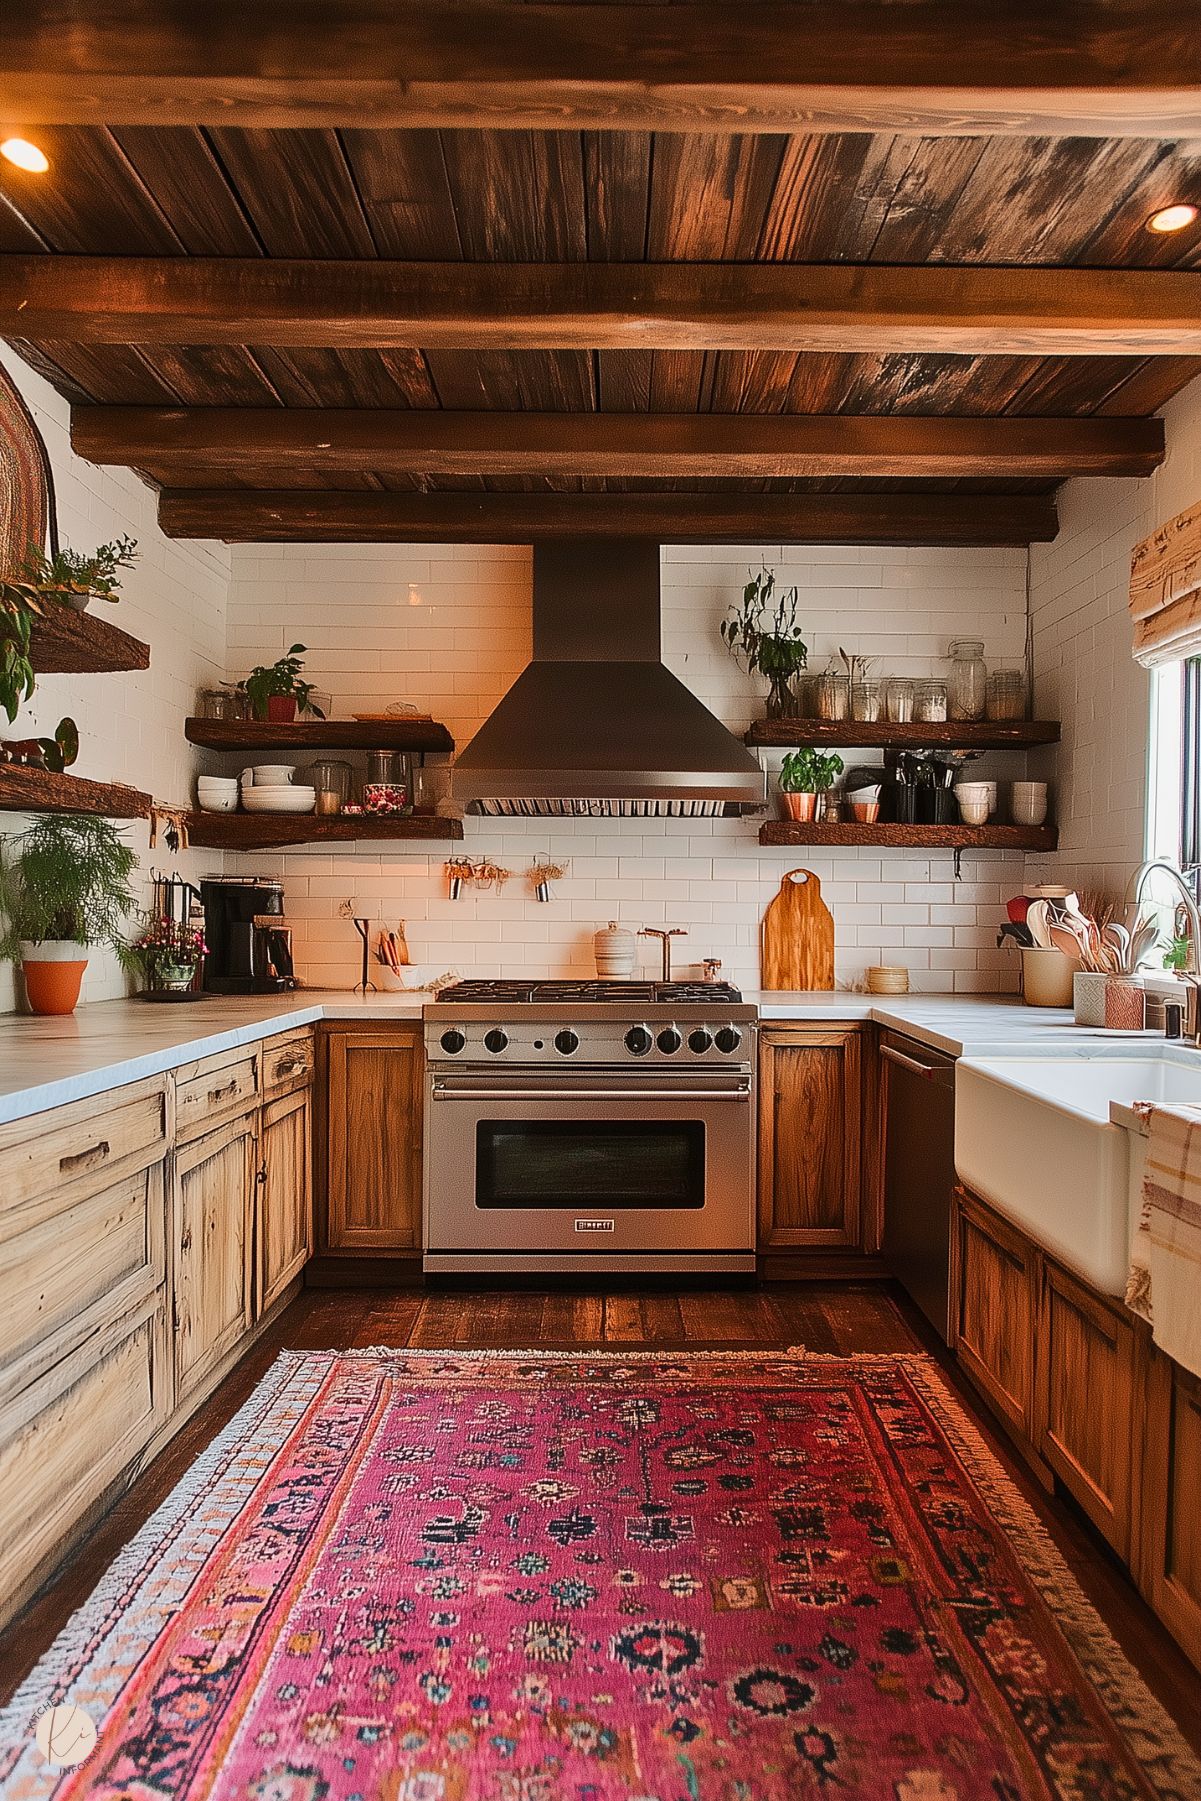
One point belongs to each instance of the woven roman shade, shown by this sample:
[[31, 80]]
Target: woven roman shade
[[1165, 591]]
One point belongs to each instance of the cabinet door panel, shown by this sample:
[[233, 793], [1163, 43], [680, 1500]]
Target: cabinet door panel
[[285, 1195], [994, 1309], [1086, 1401], [810, 1118], [373, 1140], [1171, 1573], [214, 1188]]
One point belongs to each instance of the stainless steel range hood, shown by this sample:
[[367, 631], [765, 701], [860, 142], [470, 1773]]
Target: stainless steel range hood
[[596, 724]]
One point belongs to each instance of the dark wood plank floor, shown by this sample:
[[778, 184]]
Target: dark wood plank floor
[[835, 1318]]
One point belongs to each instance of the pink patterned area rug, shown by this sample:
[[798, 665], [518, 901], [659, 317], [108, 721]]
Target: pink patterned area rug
[[427, 1576]]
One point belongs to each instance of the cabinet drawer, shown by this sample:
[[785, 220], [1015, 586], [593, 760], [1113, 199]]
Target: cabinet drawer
[[214, 1089], [70, 1266], [85, 1143], [66, 1440], [287, 1063]]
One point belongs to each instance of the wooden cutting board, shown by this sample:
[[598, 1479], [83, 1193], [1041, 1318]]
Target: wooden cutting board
[[797, 943]]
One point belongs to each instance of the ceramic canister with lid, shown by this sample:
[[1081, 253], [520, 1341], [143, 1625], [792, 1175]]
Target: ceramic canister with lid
[[615, 949]]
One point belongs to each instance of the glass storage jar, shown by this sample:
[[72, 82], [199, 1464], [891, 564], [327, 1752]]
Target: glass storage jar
[[833, 695], [1006, 694], [966, 686], [330, 776], [867, 699], [930, 701], [899, 699]]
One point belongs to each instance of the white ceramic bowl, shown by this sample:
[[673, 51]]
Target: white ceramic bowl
[[974, 812], [218, 803], [279, 800]]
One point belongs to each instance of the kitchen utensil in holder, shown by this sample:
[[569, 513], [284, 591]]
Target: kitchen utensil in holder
[[366, 985]]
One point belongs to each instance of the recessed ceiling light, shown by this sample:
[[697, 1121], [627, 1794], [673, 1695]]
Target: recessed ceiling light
[[25, 155], [1172, 218]]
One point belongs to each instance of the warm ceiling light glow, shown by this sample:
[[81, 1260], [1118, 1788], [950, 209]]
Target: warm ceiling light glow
[[25, 155], [1172, 218]]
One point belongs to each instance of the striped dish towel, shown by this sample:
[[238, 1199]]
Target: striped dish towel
[[1165, 1269]]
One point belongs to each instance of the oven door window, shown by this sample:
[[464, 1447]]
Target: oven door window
[[657, 1164]]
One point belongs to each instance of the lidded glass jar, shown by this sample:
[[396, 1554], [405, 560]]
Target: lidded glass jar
[[330, 776], [968, 680]]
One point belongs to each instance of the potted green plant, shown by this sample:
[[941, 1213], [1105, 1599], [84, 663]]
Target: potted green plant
[[169, 952], [762, 632], [275, 690], [804, 774], [64, 888], [73, 579]]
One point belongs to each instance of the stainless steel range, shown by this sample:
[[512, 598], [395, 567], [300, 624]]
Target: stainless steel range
[[590, 1127]]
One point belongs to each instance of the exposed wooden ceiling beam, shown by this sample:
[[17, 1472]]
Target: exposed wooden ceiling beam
[[1130, 68], [242, 515], [199, 443], [664, 306]]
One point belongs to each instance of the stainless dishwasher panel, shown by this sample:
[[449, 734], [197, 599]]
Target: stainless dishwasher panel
[[919, 1171]]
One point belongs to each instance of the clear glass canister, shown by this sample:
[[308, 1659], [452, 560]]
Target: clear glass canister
[[1007, 694], [899, 697], [930, 701], [331, 778], [867, 699], [833, 695], [968, 680]]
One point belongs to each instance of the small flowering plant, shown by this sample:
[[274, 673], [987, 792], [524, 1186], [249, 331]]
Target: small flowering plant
[[169, 943]]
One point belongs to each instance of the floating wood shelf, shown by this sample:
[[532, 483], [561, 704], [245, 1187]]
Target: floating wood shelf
[[319, 734], [276, 831], [912, 837], [976, 734], [28, 790], [64, 642]]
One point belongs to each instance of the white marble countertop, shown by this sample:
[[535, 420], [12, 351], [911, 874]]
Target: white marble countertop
[[45, 1063]]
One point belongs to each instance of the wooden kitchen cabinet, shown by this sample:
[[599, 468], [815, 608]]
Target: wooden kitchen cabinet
[[216, 1178], [1170, 1564], [284, 1223], [993, 1298], [811, 1108], [1084, 1398], [373, 1124]]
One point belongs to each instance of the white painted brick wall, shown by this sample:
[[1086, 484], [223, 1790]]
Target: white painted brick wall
[[1085, 674], [130, 725], [448, 627]]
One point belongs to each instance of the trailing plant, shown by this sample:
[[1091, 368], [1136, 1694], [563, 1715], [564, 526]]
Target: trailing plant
[[809, 771], [20, 605], [762, 631], [66, 877], [280, 679], [66, 571], [1177, 955]]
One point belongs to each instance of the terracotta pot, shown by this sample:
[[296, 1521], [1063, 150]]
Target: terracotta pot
[[798, 806], [53, 972], [281, 708]]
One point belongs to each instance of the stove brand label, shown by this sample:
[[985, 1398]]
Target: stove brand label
[[595, 1225]]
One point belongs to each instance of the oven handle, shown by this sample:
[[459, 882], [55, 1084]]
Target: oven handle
[[441, 1092]]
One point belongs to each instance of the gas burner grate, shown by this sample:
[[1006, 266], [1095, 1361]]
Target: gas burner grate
[[479, 993], [695, 994], [554, 994]]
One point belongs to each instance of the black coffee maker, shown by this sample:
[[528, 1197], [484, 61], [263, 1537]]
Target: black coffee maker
[[249, 941]]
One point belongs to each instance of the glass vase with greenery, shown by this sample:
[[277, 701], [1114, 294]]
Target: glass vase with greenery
[[169, 952], [762, 632], [64, 890], [275, 690]]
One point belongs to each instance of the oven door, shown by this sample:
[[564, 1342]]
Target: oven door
[[649, 1171]]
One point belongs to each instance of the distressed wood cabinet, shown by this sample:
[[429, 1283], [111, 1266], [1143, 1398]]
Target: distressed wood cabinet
[[285, 1199], [811, 1106], [216, 1178], [373, 1129], [1170, 1562]]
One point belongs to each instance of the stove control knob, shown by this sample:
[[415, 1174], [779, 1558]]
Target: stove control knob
[[495, 1040], [452, 1041], [567, 1042], [700, 1040], [669, 1040], [638, 1040], [727, 1039]]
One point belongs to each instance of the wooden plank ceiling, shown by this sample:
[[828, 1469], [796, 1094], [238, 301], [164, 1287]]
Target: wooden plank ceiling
[[573, 197]]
